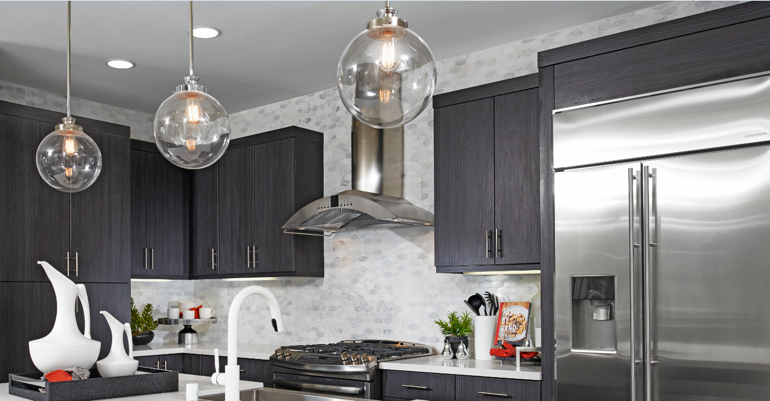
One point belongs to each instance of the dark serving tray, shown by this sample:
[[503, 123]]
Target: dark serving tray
[[145, 381]]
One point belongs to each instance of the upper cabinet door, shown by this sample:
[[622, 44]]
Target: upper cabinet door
[[167, 217], [100, 227], [237, 229], [274, 205], [205, 221], [465, 183], [35, 217], [517, 178], [139, 256]]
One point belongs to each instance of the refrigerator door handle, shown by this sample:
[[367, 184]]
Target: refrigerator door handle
[[654, 205], [632, 284], [647, 283]]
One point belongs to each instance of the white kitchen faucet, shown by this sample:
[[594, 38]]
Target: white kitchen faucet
[[232, 376]]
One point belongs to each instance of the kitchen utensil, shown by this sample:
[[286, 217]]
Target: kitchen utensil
[[476, 302], [483, 304], [462, 351], [474, 309], [117, 363], [205, 313], [65, 346], [173, 313], [489, 298], [447, 353]]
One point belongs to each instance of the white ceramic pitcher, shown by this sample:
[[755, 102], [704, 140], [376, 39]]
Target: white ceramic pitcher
[[117, 363], [65, 346]]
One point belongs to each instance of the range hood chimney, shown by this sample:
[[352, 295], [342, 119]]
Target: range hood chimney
[[376, 200]]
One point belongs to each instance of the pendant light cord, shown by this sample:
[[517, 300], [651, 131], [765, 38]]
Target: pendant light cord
[[69, 30], [191, 39]]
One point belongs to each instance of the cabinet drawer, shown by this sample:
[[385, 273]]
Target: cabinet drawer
[[423, 386], [471, 388]]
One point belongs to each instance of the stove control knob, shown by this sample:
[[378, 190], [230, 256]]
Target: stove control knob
[[286, 352], [345, 358], [363, 359], [354, 359], [279, 353]]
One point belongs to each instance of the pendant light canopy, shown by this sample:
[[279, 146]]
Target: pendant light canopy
[[192, 129], [387, 74], [68, 159]]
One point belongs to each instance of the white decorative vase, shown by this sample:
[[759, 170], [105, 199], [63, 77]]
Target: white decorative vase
[[484, 329], [65, 346], [117, 363]]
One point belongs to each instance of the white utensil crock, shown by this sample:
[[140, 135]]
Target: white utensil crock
[[484, 329]]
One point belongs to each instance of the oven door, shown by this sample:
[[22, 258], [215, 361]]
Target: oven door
[[324, 385]]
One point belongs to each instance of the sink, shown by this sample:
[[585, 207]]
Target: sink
[[271, 394]]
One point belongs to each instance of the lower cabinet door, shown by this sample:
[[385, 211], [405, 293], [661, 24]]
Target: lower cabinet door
[[148, 361], [172, 362], [191, 364], [471, 388], [421, 386], [255, 370]]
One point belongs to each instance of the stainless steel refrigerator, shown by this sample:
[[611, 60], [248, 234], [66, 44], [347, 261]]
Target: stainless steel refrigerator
[[662, 222]]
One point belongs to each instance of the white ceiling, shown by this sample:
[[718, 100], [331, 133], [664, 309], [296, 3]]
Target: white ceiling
[[268, 51]]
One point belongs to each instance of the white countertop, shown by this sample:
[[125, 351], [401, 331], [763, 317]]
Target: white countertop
[[245, 350], [468, 367], [205, 387]]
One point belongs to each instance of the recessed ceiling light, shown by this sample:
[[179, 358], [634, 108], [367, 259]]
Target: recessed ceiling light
[[206, 32], [120, 64]]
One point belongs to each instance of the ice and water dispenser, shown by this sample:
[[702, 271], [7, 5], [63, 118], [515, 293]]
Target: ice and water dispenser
[[593, 321]]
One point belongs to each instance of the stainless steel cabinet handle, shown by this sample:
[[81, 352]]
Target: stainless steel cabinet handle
[[318, 387], [165, 365], [144, 263], [152, 258], [493, 394], [76, 264], [488, 249], [213, 262], [631, 248], [68, 263], [157, 364], [414, 387], [499, 242], [647, 283], [254, 253], [248, 256]]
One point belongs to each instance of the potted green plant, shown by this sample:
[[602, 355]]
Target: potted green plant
[[456, 329], [142, 324]]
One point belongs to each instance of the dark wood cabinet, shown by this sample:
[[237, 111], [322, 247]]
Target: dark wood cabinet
[[21, 300], [238, 211], [175, 362], [41, 223], [255, 370], [160, 215], [204, 222], [402, 385], [470, 388], [414, 385], [487, 178]]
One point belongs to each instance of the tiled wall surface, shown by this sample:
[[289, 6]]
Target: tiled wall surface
[[377, 284]]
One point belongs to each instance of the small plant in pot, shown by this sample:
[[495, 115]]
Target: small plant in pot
[[456, 328], [142, 324]]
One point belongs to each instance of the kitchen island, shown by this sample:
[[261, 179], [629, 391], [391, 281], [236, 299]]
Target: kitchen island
[[205, 387]]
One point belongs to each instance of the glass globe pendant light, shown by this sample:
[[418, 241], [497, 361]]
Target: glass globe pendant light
[[192, 129], [387, 74], [68, 159]]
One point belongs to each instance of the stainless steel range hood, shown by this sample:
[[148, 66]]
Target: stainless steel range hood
[[376, 200]]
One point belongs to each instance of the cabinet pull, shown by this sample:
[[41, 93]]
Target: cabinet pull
[[414, 387], [242, 371], [248, 256], [67, 258], [144, 263], [213, 262], [76, 264], [152, 258], [499, 242], [493, 394], [157, 364], [165, 365], [487, 247], [254, 255]]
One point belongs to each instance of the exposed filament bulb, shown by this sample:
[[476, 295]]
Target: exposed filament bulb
[[193, 112], [388, 52], [70, 146], [384, 96], [68, 172], [190, 144]]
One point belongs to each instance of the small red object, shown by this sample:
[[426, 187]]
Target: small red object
[[58, 376], [197, 310], [509, 351]]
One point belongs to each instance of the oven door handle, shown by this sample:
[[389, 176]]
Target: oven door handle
[[318, 387]]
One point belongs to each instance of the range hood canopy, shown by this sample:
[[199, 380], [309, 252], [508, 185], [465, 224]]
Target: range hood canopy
[[376, 198]]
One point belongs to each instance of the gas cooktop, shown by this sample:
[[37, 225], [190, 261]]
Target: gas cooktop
[[348, 353]]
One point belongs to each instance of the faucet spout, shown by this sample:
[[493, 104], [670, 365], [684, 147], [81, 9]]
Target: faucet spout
[[232, 377]]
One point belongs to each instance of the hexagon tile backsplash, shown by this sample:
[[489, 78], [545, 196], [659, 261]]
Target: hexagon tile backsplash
[[383, 284]]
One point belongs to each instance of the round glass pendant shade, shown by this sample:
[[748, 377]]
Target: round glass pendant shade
[[192, 129], [68, 159], [386, 76]]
